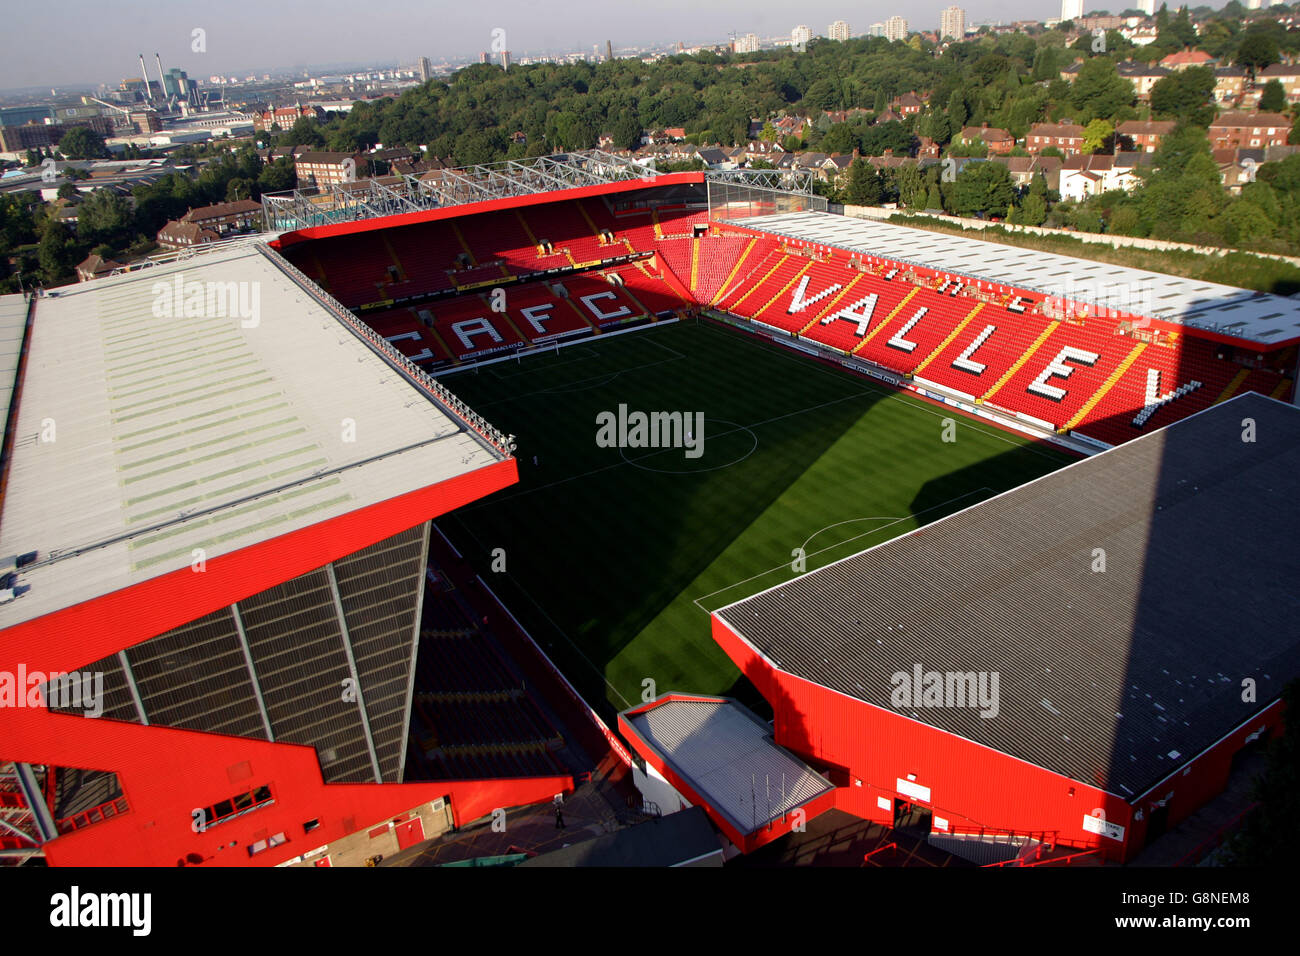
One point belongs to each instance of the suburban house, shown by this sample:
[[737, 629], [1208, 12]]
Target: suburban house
[[1185, 58], [227, 217], [1023, 169], [1145, 134], [1229, 84], [1067, 137], [1143, 76], [93, 267], [1287, 75], [1232, 130], [184, 235], [1083, 176], [998, 141], [909, 104]]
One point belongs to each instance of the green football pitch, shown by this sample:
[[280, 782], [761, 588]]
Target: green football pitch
[[614, 556]]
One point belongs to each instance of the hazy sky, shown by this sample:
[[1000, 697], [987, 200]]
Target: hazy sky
[[66, 42]]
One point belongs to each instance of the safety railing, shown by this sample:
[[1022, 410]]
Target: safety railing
[[503, 444]]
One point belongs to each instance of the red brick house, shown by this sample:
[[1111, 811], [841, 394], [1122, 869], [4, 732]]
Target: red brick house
[[1234, 130], [1067, 137], [1146, 134], [998, 141], [227, 217], [184, 235], [909, 104], [94, 267]]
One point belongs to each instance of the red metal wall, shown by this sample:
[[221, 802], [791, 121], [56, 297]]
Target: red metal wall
[[165, 774], [67, 639], [971, 785]]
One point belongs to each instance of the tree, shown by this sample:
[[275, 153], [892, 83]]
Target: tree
[[934, 199], [17, 226], [1098, 135], [983, 188], [104, 217], [957, 114], [55, 253], [1099, 90], [1185, 96], [626, 131], [303, 133], [839, 140], [864, 187], [277, 176], [1273, 99], [1256, 51], [911, 185], [239, 188], [1181, 28], [1033, 211], [82, 142]]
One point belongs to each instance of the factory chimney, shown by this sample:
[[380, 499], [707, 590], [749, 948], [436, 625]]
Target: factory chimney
[[162, 86], [145, 76]]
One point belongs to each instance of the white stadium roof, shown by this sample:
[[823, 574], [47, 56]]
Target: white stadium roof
[[1256, 317], [141, 437], [727, 755]]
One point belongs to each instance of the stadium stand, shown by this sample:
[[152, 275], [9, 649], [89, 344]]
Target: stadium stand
[[1014, 351], [472, 713], [1086, 374]]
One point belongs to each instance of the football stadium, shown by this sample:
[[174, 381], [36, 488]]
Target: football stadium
[[568, 484]]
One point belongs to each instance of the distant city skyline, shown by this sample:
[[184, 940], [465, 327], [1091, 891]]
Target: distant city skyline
[[239, 37]]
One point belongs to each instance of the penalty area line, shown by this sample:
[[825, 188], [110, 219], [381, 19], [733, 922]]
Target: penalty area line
[[832, 547]]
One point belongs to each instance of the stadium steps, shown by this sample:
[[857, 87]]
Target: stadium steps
[[1233, 385], [392, 254], [507, 316], [949, 340], [1018, 363], [433, 331], [319, 271], [830, 309], [669, 279], [876, 331], [460, 238], [735, 306], [1110, 383], [1281, 390], [595, 326], [532, 237], [726, 283], [595, 229], [645, 313], [695, 264], [785, 288], [659, 229]]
